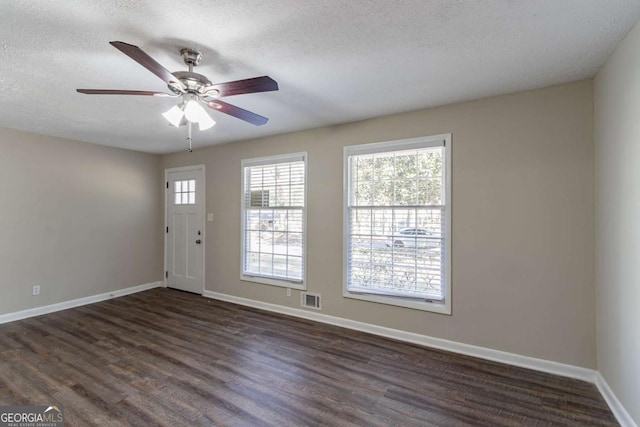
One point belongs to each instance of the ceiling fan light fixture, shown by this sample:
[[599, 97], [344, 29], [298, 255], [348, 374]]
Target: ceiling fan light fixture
[[193, 111], [206, 122], [174, 115]]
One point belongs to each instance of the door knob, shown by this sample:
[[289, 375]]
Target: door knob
[[198, 241]]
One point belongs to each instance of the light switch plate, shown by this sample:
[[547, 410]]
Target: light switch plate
[[210, 217]]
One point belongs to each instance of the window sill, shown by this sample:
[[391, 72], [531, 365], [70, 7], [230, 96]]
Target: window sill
[[274, 282], [434, 307]]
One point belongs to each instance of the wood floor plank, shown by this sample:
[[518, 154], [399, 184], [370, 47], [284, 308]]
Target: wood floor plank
[[168, 358]]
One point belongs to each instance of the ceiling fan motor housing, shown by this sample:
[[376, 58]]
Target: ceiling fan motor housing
[[195, 83]]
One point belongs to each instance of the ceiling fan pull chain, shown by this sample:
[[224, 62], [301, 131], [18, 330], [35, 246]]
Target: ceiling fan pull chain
[[189, 135]]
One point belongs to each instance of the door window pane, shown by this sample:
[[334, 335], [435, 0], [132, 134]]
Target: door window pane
[[185, 192]]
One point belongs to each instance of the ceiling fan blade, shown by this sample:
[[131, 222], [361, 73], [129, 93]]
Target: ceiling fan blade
[[253, 85], [240, 113], [122, 92], [138, 55]]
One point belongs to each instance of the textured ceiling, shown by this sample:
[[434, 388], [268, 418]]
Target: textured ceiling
[[336, 61]]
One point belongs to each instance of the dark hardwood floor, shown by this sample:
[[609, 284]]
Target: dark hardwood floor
[[164, 357]]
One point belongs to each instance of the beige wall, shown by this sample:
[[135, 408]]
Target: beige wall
[[617, 146], [75, 218], [523, 228]]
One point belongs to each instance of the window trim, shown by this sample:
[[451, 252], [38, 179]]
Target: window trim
[[273, 280], [396, 145]]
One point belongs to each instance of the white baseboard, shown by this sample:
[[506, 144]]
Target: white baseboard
[[618, 410], [18, 315], [542, 365]]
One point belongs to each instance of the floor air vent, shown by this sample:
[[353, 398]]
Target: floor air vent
[[310, 300]]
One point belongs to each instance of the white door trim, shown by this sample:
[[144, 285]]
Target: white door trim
[[203, 209]]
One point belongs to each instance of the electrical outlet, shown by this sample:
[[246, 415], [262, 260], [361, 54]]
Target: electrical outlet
[[36, 290], [288, 292]]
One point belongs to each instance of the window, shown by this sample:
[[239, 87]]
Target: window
[[273, 220], [397, 223], [184, 192]]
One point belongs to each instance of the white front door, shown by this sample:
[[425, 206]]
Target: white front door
[[184, 243]]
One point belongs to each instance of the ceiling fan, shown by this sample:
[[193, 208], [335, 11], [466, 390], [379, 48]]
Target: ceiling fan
[[195, 89]]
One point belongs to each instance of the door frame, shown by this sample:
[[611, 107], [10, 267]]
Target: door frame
[[202, 216]]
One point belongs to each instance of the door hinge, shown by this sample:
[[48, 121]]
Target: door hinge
[[167, 184], [167, 229], [166, 274]]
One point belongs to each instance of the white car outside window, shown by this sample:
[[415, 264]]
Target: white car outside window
[[414, 238]]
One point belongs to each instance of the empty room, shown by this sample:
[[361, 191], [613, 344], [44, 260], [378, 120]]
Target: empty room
[[327, 213]]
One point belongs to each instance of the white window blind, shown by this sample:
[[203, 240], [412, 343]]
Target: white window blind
[[396, 220], [273, 219]]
